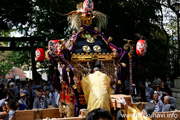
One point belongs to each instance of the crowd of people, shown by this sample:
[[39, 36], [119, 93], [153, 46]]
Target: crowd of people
[[24, 95], [156, 91]]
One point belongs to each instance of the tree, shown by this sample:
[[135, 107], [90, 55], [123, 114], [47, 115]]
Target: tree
[[131, 19]]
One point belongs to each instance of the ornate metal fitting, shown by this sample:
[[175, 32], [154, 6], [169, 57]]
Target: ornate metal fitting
[[86, 48], [128, 45], [110, 39], [90, 40], [97, 48]]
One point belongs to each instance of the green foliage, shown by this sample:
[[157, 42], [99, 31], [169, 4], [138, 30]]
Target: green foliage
[[14, 59], [15, 13]]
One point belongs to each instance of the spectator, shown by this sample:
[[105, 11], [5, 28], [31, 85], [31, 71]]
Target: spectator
[[149, 93], [167, 106], [49, 99], [10, 94], [147, 83], [34, 85], [163, 88], [46, 86], [135, 94], [3, 115], [2, 101], [172, 99], [23, 89], [156, 81], [169, 83], [30, 96], [9, 81], [127, 86], [157, 89], [99, 114], [17, 89], [148, 109], [39, 101], [157, 102], [23, 102], [2, 90], [134, 90], [11, 107], [142, 93], [51, 88], [56, 97], [12, 87]]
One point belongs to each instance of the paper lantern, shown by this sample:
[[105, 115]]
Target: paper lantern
[[40, 55], [88, 6], [141, 47], [54, 48]]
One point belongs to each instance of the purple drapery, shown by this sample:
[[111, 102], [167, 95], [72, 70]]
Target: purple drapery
[[65, 76], [67, 63], [56, 80]]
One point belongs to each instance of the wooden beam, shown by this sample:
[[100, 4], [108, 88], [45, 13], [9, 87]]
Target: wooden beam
[[71, 118], [37, 114]]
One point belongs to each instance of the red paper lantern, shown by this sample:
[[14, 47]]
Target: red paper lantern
[[88, 6], [40, 55], [54, 48], [141, 47]]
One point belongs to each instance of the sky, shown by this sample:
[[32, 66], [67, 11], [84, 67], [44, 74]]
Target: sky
[[16, 34]]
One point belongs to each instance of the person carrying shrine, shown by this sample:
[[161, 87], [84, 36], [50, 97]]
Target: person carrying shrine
[[97, 89]]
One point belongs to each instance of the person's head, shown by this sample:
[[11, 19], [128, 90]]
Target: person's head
[[17, 82], [47, 92], [97, 66], [149, 85], [12, 80], [162, 84], [166, 100], [134, 85], [4, 107], [149, 109], [157, 87], [96, 69], [40, 92], [11, 104], [142, 84], [12, 84], [9, 92], [23, 96], [30, 87], [23, 85], [168, 78], [168, 92], [33, 82], [99, 114], [147, 80], [155, 96]]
